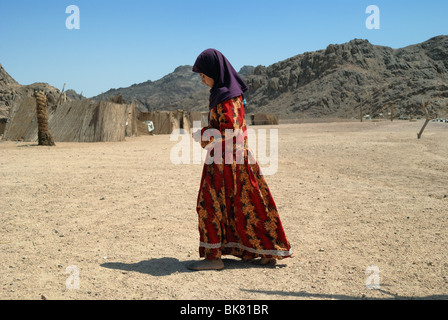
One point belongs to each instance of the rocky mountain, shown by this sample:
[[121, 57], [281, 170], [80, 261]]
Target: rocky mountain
[[181, 89], [11, 91], [335, 81], [5, 78], [327, 83], [6, 91]]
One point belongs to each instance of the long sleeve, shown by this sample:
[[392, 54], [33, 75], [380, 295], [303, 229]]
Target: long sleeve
[[222, 117]]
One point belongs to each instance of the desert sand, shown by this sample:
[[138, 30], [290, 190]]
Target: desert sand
[[118, 220]]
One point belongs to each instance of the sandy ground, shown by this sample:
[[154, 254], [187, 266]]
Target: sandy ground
[[120, 218]]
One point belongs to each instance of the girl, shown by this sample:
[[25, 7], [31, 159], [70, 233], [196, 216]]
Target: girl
[[236, 211]]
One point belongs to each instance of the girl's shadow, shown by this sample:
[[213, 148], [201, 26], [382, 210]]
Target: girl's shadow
[[167, 266], [155, 267]]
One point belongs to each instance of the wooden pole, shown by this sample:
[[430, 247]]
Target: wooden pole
[[360, 111], [425, 108], [60, 96]]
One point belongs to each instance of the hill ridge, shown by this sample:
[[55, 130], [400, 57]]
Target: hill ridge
[[330, 82]]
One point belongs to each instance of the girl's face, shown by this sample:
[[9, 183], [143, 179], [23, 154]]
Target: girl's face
[[207, 81]]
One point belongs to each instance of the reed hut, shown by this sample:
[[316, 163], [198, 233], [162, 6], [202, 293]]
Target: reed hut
[[74, 121], [259, 119]]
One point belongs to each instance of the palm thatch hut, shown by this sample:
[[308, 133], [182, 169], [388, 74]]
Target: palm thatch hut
[[74, 121]]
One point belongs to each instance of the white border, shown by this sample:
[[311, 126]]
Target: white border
[[280, 253]]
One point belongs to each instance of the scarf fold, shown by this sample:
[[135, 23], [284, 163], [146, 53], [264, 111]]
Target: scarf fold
[[228, 84]]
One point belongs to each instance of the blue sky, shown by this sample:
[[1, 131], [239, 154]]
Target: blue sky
[[120, 43]]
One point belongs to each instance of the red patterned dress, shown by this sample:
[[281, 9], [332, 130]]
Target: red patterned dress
[[236, 211]]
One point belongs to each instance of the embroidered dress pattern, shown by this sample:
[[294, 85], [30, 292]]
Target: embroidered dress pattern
[[236, 211]]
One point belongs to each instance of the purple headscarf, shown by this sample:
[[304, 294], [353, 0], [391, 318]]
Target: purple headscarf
[[228, 83]]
